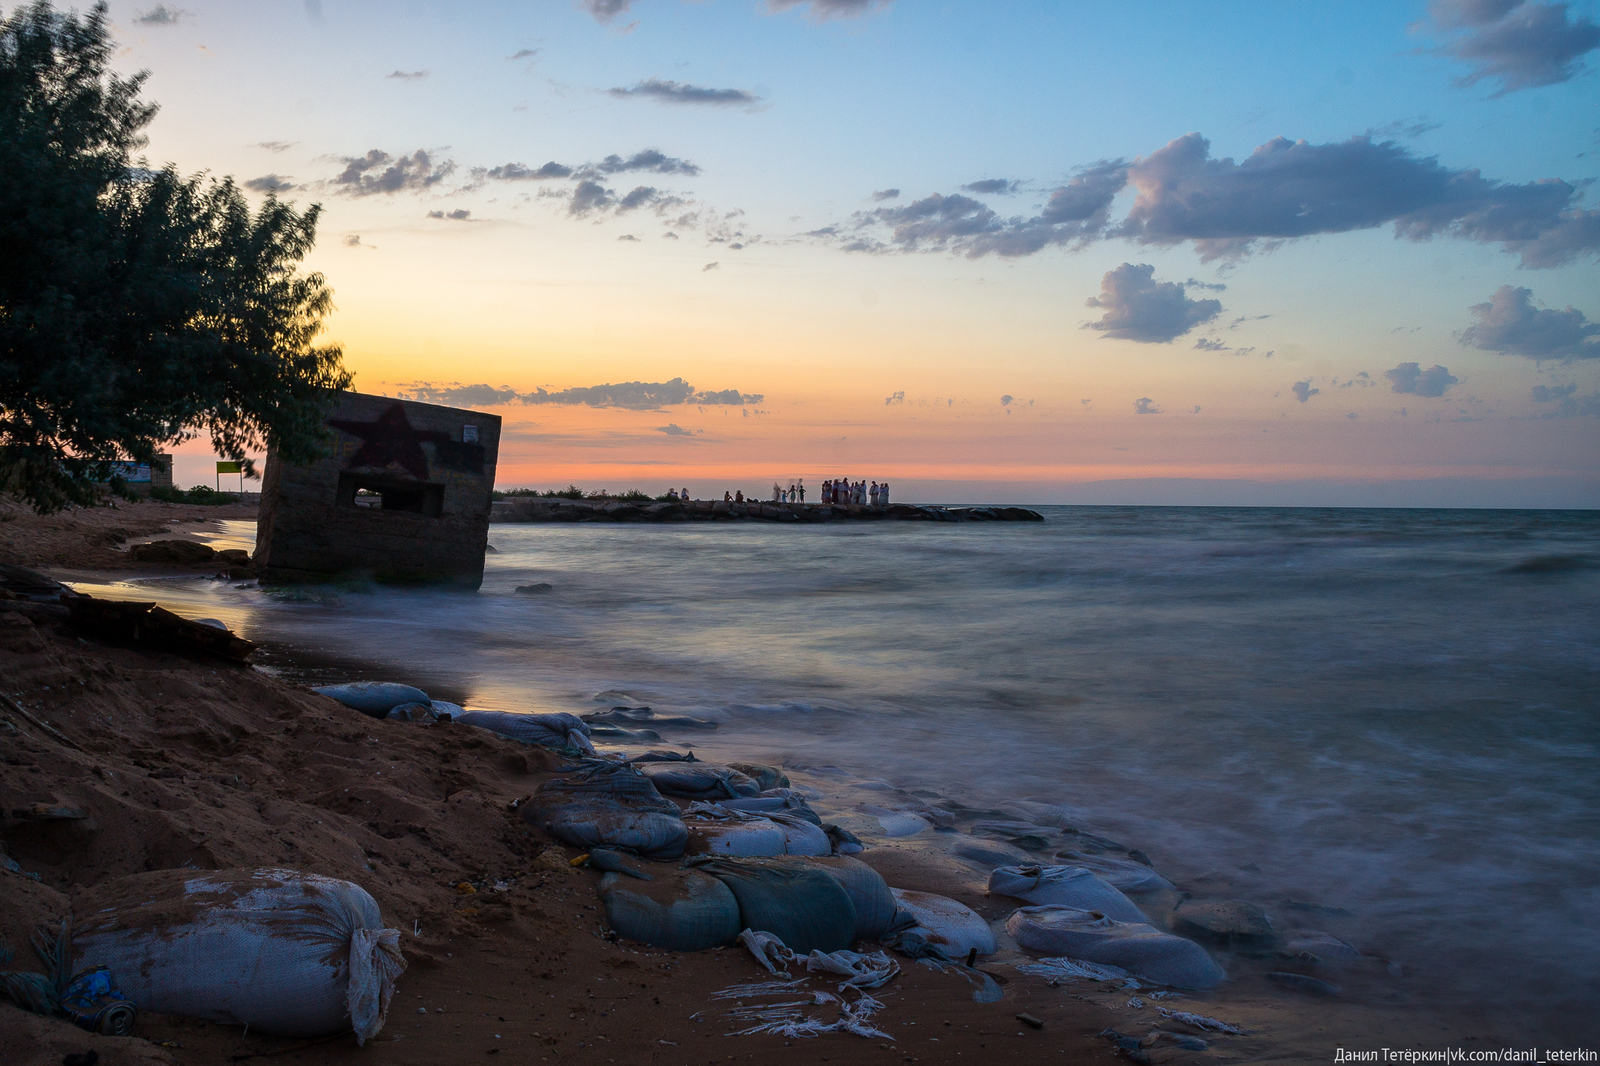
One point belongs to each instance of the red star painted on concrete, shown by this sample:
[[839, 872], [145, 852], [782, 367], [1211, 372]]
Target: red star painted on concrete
[[391, 440]]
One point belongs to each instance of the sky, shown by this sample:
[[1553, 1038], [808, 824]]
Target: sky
[[988, 252]]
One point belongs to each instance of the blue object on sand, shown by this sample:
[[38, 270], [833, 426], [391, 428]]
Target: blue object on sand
[[376, 698]]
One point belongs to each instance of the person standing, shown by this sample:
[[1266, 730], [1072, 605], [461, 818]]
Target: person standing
[[883, 494], [802, 490], [685, 492]]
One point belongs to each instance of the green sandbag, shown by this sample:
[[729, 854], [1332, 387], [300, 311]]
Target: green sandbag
[[801, 904], [680, 910], [868, 891]]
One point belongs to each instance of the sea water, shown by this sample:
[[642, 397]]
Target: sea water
[[1390, 712]]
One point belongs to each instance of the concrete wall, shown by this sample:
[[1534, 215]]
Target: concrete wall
[[142, 477], [405, 496]]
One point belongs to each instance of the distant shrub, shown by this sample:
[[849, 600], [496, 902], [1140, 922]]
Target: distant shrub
[[203, 494]]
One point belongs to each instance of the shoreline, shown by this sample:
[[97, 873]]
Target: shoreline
[[545, 509], [1285, 1028]]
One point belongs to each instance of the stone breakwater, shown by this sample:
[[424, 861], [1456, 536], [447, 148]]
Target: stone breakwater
[[560, 510]]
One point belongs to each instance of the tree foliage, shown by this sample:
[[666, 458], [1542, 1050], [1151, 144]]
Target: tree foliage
[[138, 307]]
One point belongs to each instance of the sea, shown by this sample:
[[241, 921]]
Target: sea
[[1390, 713]]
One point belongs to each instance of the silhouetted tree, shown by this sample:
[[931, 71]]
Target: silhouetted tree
[[138, 307]]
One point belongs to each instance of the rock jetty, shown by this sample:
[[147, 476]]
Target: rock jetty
[[541, 509]]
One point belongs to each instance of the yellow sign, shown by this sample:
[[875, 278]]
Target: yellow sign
[[230, 468]]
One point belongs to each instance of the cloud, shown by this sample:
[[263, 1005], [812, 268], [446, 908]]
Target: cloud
[[1211, 344], [518, 172], [1552, 393], [885, 194], [1510, 325], [378, 172], [1566, 404], [161, 15], [632, 395], [827, 9], [1518, 45], [992, 187], [276, 146], [898, 397], [1285, 190], [605, 10], [628, 237], [353, 240], [1410, 128], [1291, 189], [407, 75], [1303, 391], [1139, 308], [460, 214], [525, 53], [269, 183], [650, 159], [672, 429], [710, 266], [1005, 401], [672, 92], [1144, 405], [1411, 378]]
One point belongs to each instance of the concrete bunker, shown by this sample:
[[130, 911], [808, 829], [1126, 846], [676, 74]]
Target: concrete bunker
[[404, 496]]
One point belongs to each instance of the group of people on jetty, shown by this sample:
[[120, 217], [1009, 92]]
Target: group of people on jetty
[[841, 491]]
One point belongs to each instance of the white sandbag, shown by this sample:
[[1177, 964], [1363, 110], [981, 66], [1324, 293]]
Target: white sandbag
[[1141, 949], [896, 823], [1124, 875], [801, 836], [280, 951], [1069, 886], [953, 928], [376, 698], [547, 730], [757, 837], [609, 805]]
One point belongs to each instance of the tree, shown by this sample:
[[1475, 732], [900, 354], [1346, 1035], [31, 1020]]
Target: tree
[[138, 307]]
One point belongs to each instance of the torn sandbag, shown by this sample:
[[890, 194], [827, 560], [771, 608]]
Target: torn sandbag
[[859, 969], [560, 730], [804, 906], [1069, 886], [844, 842], [768, 777], [1139, 948], [1125, 875], [699, 780], [280, 951], [637, 716], [868, 892], [680, 910], [376, 698], [413, 712], [955, 929], [610, 805]]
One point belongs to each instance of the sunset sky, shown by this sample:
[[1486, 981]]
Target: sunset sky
[[1008, 252]]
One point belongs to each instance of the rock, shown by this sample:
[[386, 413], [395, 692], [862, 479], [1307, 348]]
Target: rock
[[1224, 918], [536, 588], [172, 552], [233, 557]]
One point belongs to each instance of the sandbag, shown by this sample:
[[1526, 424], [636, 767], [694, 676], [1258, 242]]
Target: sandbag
[[804, 906], [699, 780], [1069, 886], [754, 838], [868, 891], [376, 698], [1125, 875], [1141, 949], [680, 910], [559, 730], [412, 712], [768, 777], [953, 928], [786, 800], [280, 951], [609, 805]]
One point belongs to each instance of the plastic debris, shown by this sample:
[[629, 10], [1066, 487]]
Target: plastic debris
[[1200, 1021]]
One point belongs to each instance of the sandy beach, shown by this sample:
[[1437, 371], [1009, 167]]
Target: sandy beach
[[189, 763]]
